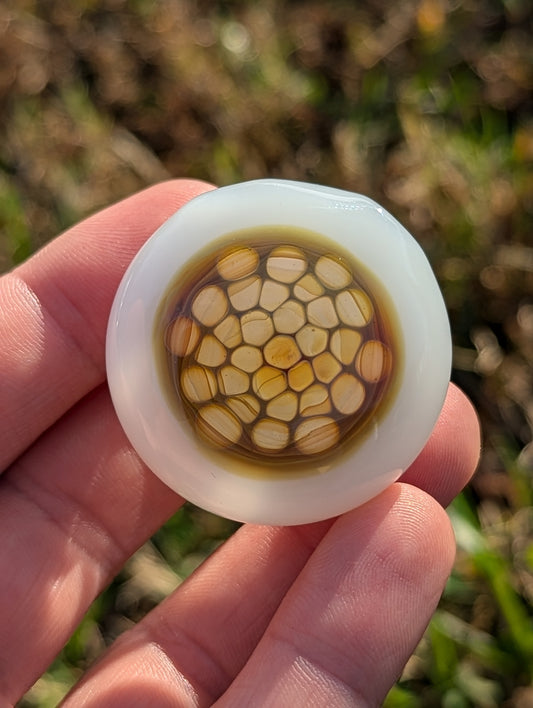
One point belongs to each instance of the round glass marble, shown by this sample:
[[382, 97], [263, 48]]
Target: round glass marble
[[279, 352]]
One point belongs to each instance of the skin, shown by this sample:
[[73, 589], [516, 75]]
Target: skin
[[323, 614]]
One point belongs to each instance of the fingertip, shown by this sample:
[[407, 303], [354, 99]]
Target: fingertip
[[427, 519], [451, 455], [144, 211], [419, 532], [179, 190], [459, 411], [360, 605]]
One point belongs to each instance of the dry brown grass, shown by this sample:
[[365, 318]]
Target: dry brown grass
[[424, 105]]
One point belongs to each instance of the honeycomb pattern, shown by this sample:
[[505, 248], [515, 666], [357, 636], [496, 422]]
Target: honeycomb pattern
[[278, 351]]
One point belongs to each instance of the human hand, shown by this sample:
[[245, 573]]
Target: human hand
[[324, 614]]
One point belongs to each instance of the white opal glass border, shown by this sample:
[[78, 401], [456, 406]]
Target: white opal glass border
[[358, 225]]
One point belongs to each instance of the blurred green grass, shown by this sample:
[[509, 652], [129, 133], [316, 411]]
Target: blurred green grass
[[425, 106]]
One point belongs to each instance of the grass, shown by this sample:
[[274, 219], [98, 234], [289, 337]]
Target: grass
[[424, 106]]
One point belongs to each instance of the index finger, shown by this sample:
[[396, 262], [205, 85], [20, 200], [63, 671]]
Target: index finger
[[55, 308]]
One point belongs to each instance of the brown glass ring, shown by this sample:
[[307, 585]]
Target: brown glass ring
[[278, 347]]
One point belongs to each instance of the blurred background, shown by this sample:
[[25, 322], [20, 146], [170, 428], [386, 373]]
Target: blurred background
[[425, 106]]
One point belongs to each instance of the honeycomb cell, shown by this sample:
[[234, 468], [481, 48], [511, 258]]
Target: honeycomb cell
[[354, 307], [237, 262], [347, 394], [283, 407], [315, 400], [308, 288], [232, 381], [321, 312], [183, 336], [316, 435], [301, 376], [273, 295], [289, 317], [286, 263], [247, 358], [245, 407], [218, 424], [332, 272], [198, 384], [269, 382], [210, 305], [312, 340], [228, 332], [244, 294], [326, 367], [344, 344], [257, 327], [373, 361], [282, 351], [211, 352], [270, 435]]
